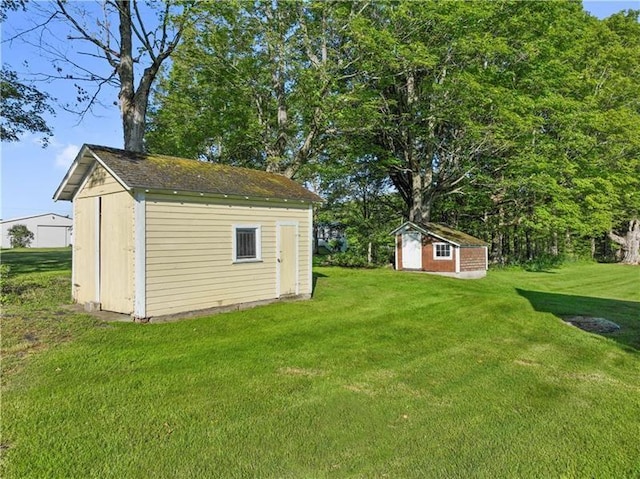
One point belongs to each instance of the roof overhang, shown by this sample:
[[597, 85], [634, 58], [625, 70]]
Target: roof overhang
[[199, 194], [78, 171]]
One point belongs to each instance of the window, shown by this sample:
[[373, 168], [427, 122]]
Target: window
[[441, 251], [246, 243]]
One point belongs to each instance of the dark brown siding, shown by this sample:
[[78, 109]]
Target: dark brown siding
[[436, 265], [473, 259], [399, 251]]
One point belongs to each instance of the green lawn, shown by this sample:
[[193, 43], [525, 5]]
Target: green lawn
[[381, 374]]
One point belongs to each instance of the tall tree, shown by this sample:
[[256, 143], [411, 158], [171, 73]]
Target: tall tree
[[120, 43], [252, 84], [453, 87]]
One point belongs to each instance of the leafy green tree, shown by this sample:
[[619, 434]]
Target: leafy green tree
[[112, 43], [252, 84], [23, 107], [20, 236], [515, 121]]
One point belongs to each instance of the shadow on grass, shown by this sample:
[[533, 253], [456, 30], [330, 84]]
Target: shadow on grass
[[624, 313], [315, 281], [36, 260]]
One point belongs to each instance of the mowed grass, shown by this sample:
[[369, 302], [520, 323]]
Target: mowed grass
[[381, 374]]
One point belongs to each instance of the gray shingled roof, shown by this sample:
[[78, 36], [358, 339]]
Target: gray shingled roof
[[444, 232], [167, 173]]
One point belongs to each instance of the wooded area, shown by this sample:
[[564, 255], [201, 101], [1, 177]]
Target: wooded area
[[518, 122], [515, 121]]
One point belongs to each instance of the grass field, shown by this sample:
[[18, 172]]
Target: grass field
[[381, 374]]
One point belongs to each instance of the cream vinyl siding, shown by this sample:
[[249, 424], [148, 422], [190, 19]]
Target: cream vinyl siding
[[189, 252]]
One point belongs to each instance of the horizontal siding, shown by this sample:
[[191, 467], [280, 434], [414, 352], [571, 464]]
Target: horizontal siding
[[189, 264]]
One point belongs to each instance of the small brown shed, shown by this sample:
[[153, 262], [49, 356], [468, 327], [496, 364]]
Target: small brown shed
[[438, 249], [158, 235]]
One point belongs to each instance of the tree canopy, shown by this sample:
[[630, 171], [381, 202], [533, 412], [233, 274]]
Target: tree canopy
[[517, 121]]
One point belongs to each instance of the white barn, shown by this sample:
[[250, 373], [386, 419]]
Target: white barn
[[50, 230]]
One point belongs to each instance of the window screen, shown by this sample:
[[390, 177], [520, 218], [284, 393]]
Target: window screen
[[246, 243]]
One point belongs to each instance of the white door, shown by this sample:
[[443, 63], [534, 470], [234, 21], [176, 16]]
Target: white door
[[411, 250]]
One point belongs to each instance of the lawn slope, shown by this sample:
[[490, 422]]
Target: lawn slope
[[381, 374]]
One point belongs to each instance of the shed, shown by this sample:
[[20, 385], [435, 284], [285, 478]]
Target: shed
[[438, 249], [50, 230], [157, 235]]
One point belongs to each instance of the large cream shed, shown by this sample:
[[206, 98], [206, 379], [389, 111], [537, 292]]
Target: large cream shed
[[157, 235]]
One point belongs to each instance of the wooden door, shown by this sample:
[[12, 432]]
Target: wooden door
[[115, 244], [287, 260]]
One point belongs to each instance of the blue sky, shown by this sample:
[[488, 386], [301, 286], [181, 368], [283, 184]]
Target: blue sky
[[30, 174]]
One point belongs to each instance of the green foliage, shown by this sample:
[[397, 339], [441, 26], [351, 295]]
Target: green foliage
[[382, 373], [20, 236], [23, 107], [518, 122], [347, 259]]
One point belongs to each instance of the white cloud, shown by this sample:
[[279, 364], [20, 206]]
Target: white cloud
[[66, 155]]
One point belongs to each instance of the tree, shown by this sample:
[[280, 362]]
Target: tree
[[516, 121], [22, 108], [123, 50], [20, 236], [252, 84], [454, 87], [22, 105]]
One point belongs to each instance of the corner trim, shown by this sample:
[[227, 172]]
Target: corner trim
[[311, 245], [140, 254]]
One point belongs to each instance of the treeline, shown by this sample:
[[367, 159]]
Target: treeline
[[518, 122]]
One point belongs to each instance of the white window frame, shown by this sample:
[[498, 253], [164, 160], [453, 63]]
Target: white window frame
[[258, 230], [435, 251]]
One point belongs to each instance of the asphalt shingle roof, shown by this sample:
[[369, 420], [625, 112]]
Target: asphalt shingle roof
[[455, 236], [141, 170], [160, 172], [444, 232]]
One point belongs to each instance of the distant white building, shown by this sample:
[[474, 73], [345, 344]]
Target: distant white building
[[49, 230]]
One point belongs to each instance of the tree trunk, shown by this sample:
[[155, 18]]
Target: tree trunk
[[133, 124], [125, 72], [134, 102], [630, 242]]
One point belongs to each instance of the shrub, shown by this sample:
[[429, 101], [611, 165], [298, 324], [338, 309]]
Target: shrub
[[348, 259]]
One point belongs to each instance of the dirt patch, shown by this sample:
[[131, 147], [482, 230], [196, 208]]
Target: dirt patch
[[592, 324], [300, 372]]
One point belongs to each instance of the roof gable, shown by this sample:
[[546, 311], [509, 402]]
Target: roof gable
[[443, 232], [166, 173], [22, 218]]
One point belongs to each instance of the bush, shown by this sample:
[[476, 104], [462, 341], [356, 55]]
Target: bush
[[348, 259], [544, 262]]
